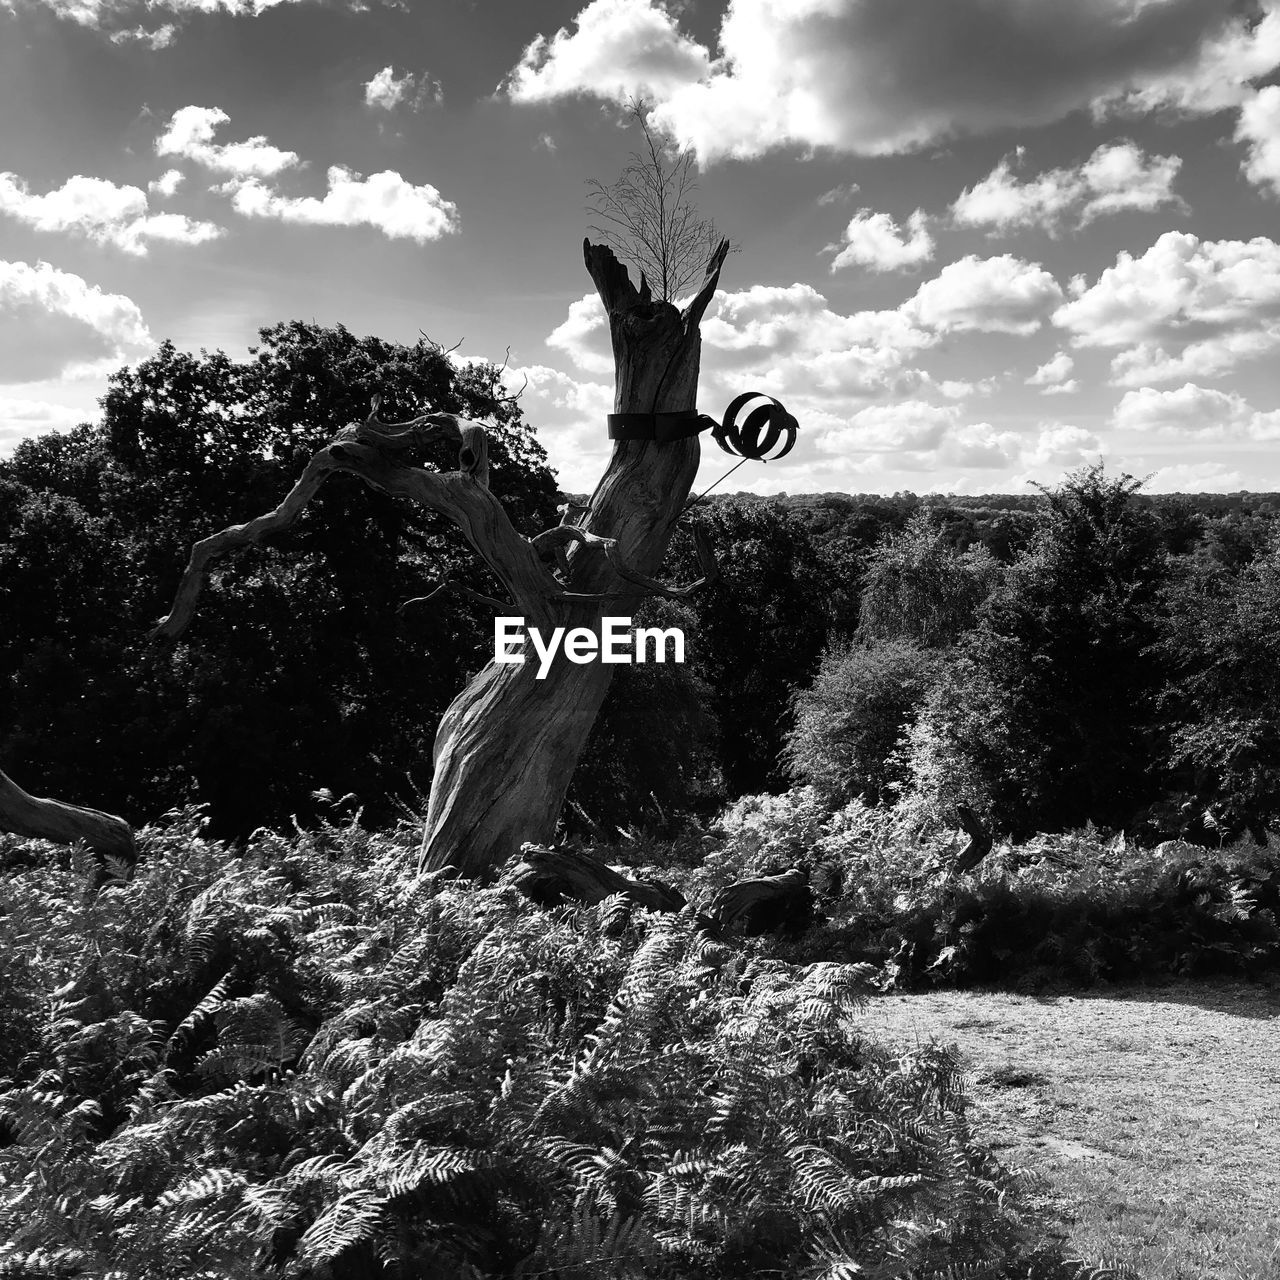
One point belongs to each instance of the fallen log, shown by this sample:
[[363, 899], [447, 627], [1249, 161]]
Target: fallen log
[[764, 905], [552, 877], [42, 819]]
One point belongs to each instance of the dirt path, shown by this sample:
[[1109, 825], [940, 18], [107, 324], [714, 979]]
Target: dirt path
[[1154, 1113]]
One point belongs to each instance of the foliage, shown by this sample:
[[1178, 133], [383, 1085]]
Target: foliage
[[304, 1061], [918, 588], [652, 749], [300, 673], [848, 721], [758, 633], [1069, 910], [1222, 701], [1051, 704]]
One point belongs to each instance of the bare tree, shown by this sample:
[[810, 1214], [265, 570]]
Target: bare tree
[[648, 216]]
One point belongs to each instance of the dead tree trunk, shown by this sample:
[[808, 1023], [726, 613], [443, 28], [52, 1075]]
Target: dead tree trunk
[[507, 747], [28, 815]]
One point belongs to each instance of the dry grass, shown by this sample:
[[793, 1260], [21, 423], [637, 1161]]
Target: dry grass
[[1153, 1114]]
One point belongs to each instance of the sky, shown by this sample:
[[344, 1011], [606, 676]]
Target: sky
[[979, 242]]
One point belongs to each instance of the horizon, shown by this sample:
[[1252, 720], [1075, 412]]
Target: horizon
[[981, 245]]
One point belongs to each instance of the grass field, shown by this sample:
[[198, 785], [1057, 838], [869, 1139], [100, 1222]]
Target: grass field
[[1153, 1114]]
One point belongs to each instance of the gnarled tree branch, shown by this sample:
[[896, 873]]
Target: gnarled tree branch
[[461, 496], [28, 815]]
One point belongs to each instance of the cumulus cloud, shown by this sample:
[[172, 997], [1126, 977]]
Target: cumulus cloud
[[571, 417], [1116, 177], [1218, 76], [384, 201], [20, 418], [1191, 411], [584, 336], [789, 341], [878, 77], [102, 212], [56, 324], [617, 49], [190, 135], [915, 435], [1053, 377], [1209, 358], [159, 38], [123, 15], [1259, 128], [166, 184], [875, 240], [991, 295], [1195, 477], [386, 91], [1216, 303]]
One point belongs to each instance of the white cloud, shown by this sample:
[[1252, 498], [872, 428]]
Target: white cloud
[[788, 342], [384, 201], [1258, 127], [1117, 176], [875, 240], [100, 211], [584, 336], [104, 14], [1216, 301], [20, 418], [1121, 176], [161, 38], [1195, 477], [914, 435], [908, 425], [1052, 371], [190, 135], [1218, 76], [1061, 446], [618, 49], [386, 91], [571, 418], [836, 195], [1054, 375], [991, 295], [1209, 358], [53, 323], [878, 77], [166, 184], [1195, 412]]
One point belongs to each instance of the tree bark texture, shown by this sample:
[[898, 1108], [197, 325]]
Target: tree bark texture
[[507, 747], [31, 816]]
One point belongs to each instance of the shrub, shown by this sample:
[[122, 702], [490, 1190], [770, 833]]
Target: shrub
[[848, 721]]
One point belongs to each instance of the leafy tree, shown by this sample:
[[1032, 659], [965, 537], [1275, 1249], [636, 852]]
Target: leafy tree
[[302, 674], [1222, 703], [759, 633], [1051, 704], [848, 721], [917, 587], [651, 754]]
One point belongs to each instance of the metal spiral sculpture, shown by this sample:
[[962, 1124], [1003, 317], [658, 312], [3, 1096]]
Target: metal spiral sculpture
[[754, 434], [757, 433]]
